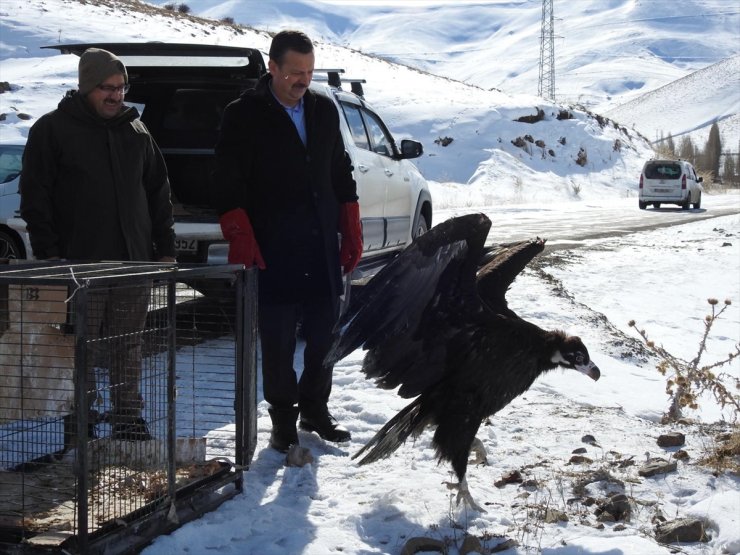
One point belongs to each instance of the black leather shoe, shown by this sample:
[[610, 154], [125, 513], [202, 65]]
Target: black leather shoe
[[134, 429], [284, 433], [281, 443], [325, 425]]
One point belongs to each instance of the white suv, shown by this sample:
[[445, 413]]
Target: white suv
[[181, 91], [669, 182]]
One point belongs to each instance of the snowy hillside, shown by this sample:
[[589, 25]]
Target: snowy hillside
[[606, 53], [690, 105]]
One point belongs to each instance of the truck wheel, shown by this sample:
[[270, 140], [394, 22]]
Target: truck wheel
[[422, 226], [697, 204], [9, 247]]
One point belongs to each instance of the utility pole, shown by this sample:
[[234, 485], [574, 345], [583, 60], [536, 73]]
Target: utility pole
[[546, 85]]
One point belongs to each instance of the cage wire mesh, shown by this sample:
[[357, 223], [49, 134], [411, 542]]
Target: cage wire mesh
[[124, 391]]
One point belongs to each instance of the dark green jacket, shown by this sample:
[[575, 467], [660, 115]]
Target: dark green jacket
[[291, 192], [95, 189]]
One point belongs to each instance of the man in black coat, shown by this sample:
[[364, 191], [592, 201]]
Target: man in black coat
[[94, 186], [285, 190]]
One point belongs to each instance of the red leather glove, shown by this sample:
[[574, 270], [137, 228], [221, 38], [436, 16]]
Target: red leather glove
[[349, 226], [243, 247]]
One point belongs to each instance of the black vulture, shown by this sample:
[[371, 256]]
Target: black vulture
[[439, 328]]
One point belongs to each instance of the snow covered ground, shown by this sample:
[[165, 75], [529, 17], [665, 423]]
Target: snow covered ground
[[335, 506]]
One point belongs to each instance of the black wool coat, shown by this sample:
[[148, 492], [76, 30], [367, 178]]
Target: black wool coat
[[291, 192], [94, 188]]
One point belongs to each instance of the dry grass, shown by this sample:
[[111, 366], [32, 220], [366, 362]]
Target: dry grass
[[724, 455]]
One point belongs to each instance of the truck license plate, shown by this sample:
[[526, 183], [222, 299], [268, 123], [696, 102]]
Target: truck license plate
[[186, 245]]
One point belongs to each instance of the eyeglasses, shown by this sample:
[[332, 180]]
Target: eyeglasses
[[110, 89]]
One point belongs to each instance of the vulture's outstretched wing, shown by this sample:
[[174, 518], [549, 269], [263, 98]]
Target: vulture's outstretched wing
[[495, 278], [396, 317]]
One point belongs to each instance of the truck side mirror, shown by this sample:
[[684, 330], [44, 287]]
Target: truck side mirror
[[411, 149]]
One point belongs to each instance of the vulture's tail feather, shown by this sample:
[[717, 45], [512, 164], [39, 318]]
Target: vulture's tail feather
[[396, 431]]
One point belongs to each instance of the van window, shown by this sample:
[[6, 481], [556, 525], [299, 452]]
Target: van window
[[663, 170]]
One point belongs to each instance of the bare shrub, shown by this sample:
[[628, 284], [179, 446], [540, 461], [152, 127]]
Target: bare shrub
[[708, 181], [663, 151], [725, 454], [686, 380]]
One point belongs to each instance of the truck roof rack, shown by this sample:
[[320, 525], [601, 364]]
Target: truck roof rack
[[356, 86], [332, 76]]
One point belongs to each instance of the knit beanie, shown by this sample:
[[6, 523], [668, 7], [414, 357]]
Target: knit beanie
[[96, 65]]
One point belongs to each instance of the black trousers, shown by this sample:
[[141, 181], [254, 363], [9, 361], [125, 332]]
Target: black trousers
[[115, 319], [278, 325]]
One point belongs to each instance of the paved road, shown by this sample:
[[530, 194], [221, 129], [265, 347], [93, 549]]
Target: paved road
[[565, 225]]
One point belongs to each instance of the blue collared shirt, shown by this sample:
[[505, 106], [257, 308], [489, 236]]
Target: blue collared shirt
[[296, 114]]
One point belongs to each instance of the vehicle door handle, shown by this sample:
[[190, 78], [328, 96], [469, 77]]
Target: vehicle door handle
[[388, 172], [362, 167]]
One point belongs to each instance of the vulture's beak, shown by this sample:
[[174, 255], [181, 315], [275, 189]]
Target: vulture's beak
[[590, 369]]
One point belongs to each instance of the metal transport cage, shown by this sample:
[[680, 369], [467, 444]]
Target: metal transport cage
[[127, 400]]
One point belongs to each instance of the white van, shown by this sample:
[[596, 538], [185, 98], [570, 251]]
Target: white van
[[669, 182]]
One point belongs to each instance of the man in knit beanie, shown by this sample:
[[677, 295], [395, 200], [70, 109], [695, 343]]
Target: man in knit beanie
[[96, 65], [103, 81], [94, 187]]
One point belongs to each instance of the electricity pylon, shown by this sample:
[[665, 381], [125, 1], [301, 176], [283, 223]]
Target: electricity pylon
[[546, 85]]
